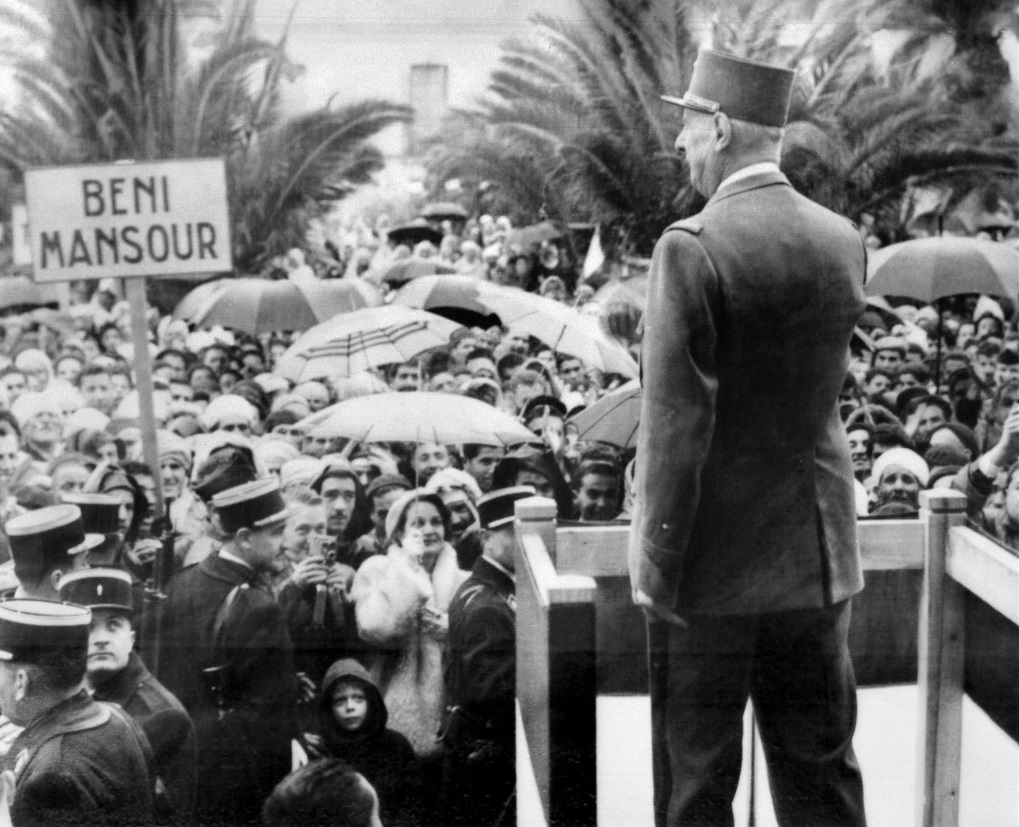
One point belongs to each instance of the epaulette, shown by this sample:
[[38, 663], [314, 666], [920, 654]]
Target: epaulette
[[692, 225]]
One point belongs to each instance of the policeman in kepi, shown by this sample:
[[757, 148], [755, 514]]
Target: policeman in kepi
[[77, 761], [116, 674], [479, 666]]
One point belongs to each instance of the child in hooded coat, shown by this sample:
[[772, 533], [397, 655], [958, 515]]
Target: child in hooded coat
[[383, 756]]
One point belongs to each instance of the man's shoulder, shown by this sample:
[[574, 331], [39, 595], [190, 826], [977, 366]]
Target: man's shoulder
[[694, 225]]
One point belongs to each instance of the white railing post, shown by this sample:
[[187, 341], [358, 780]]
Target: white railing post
[[940, 672]]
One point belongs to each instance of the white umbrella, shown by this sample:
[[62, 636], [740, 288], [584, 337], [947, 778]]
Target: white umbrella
[[361, 340], [418, 416]]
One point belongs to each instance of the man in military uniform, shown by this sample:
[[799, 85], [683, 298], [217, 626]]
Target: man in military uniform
[[46, 544], [228, 658], [479, 667], [116, 674], [743, 550], [77, 761]]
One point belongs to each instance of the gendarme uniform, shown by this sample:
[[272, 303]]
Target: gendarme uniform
[[479, 668], [228, 658], [161, 716], [79, 762]]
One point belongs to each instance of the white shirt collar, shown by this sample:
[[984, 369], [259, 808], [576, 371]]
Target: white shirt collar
[[233, 558], [746, 172]]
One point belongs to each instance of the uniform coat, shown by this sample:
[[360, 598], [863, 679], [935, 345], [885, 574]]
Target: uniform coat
[[744, 516], [81, 762], [244, 752], [167, 726], [479, 666]]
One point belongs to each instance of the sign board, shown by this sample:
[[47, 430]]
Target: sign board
[[155, 218]]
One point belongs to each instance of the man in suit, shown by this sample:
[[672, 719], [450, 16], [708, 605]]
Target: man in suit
[[228, 657], [743, 550], [479, 669], [77, 761], [116, 674]]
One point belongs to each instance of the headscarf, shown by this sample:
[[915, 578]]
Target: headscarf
[[902, 458], [34, 361], [228, 404]]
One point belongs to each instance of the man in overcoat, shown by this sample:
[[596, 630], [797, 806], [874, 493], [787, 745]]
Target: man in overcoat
[[228, 658], [743, 549]]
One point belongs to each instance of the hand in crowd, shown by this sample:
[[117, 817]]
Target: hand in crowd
[[8, 732], [315, 745], [145, 551], [310, 571], [306, 689], [341, 576], [435, 622], [1010, 432]]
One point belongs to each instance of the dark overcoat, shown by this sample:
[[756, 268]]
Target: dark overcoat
[[244, 731], [744, 485], [168, 727], [81, 762]]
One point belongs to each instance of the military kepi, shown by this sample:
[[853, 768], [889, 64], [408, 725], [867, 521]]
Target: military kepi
[[41, 537], [253, 505], [496, 509], [101, 588], [32, 625], [747, 90]]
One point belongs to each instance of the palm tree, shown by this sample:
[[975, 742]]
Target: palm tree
[[116, 80]]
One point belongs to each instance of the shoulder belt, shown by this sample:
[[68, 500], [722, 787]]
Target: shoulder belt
[[224, 613], [692, 225], [471, 592]]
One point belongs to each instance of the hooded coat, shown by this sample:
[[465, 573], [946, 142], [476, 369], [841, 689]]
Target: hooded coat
[[381, 755]]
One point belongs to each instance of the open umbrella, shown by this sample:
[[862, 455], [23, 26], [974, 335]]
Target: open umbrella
[[21, 291], [929, 269], [444, 211], [361, 340], [631, 291], [188, 307], [562, 328], [613, 419], [533, 235], [413, 232], [403, 270], [261, 306], [443, 418]]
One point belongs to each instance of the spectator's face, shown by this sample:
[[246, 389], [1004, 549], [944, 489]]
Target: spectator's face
[[463, 347], [16, 384], [97, 391], [382, 501], [481, 368], [460, 515], [947, 439], [9, 448], [228, 381], [126, 513], [598, 497], [308, 521], [482, 467], [429, 458], [423, 519], [967, 330], [539, 482], [46, 427], [899, 485], [518, 343], [340, 494], [119, 387], [106, 300], [315, 446], [407, 378], [572, 374], [235, 424], [350, 705], [316, 399], [110, 641], [107, 452], [181, 396], [547, 358], [69, 478], [1005, 373], [928, 418], [985, 367], [906, 380], [69, 370], [859, 452], [205, 380], [500, 545], [878, 384], [111, 340], [215, 358], [443, 383], [888, 359], [252, 364], [176, 363], [987, 326], [524, 393], [174, 476]]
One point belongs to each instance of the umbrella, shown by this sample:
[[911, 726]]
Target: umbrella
[[417, 230], [562, 328], [407, 269], [261, 306], [929, 269], [613, 419], [21, 291], [444, 210], [629, 291], [533, 235], [362, 340], [443, 418]]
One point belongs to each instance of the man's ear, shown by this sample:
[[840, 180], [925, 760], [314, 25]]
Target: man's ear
[[723, 130], [22, 683], [243, 537], [55, 577]]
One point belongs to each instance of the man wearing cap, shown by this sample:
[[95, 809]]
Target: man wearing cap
[[100, 514], [47, 544], [228, 658], [479, 670], [743, 549], [382, 492], [77, 761], [116, 674]]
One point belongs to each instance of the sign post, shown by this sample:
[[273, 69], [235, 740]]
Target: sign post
[[130, 220]]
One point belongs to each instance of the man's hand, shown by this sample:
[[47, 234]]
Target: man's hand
[[657, 612], [309, 572], [340, 575]]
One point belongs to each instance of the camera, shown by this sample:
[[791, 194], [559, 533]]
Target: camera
[[322, 545]]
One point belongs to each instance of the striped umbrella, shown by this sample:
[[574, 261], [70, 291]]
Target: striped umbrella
[[361, 340]]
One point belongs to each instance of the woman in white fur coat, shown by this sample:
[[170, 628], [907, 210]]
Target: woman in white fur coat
[[401, 600]]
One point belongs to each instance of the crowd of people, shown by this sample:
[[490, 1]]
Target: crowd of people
[[337, 628]]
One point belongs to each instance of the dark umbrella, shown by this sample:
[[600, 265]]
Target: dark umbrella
[[416, 231], [443, 211], [21, 291]]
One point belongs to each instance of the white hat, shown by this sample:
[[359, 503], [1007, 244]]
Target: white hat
[[905, 459]]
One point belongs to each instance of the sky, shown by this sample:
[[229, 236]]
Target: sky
[[355, 49]]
